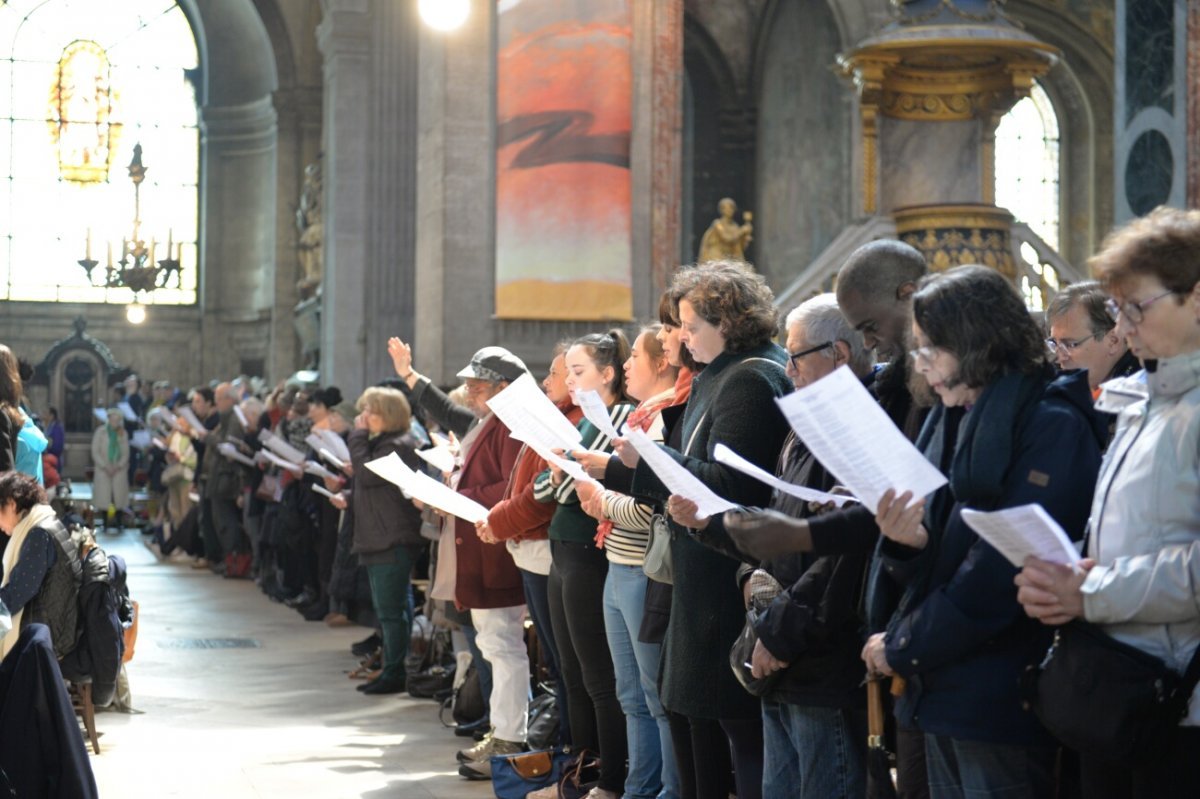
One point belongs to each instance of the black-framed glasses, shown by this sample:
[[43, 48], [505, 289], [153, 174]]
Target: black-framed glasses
[[1070, 345], [1134, 312], [794, 357]]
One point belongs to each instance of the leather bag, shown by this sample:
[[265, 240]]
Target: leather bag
[[1106, 698]]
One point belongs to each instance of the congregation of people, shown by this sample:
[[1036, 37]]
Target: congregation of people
[[636, 599]]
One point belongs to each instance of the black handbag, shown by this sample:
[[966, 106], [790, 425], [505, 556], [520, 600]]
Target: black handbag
[[739, 660], [543, 722], [1108, 699]]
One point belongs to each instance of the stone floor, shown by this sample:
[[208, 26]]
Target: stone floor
[[278, 720]]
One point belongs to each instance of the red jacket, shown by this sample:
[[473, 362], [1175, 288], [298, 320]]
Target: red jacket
[[487, 576], [519, 516]]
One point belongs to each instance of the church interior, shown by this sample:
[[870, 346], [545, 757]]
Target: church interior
[[269, 190]]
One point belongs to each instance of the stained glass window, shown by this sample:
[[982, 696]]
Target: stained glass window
[[1027, 171], [81, 84]]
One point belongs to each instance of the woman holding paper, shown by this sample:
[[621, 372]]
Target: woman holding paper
[[728, 318], [110, 458], [579, 568], [387, 527], [1139, 579], [1005, 434], [624, 532]]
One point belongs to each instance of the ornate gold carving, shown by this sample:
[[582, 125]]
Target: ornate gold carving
[[952, 235]]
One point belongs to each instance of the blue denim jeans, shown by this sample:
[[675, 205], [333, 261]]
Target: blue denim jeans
[[652, 770], [813, 752], [960, 769]]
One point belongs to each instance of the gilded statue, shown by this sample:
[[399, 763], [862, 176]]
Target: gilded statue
[[725, 238], [312, 232]]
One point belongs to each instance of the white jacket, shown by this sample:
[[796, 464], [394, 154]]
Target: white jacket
[[1145, 523]]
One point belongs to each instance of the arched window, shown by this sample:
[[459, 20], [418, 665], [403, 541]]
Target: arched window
[[82, 83], [1027, 179]]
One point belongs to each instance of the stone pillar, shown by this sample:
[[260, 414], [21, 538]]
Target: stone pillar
[[299, 112], [1193, 103], [656, 152], [344, 37], [370, 147], [237, 220]]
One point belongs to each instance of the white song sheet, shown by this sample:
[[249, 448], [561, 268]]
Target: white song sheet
[[676, 478], [596, 412], [335, 444], [317, 470], [530, 416], [334, 459], [426, 489], [320, 489], [189, 417], [241, 417], [1023, 531], [725, 455], [853, 438], [281, 447], [231, 452], [440, 458], [127, 411], [571, 468], [281, 462]]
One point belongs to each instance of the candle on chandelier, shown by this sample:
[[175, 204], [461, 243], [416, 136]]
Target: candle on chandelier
[[88, 245], [150, 262], [109, 243], [170, 240]]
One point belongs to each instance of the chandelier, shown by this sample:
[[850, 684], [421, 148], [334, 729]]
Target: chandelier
[[137, 269]]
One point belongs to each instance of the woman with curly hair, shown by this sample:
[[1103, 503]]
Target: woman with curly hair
[[727, 321]]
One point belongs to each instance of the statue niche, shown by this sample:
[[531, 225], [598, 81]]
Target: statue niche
[[725, 239], [311, 226]]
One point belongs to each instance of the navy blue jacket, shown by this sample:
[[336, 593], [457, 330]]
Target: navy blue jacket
[[960, 637]]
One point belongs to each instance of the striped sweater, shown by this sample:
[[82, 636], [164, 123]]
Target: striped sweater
[[570, 523]]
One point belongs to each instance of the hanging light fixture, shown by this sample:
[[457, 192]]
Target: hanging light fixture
[[135, 313], [444, 15]]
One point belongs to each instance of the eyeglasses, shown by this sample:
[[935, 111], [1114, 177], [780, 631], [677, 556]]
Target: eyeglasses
[[1134, 312], [794, 357], [926, 354], [1069, 345]]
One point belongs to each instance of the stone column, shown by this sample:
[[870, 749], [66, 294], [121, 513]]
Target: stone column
[[370, 146], [656, 153], [1193, 103], [344, 37], [238, 153]]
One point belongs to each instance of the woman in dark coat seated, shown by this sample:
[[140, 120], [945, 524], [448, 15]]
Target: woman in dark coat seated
[[1005, 434], [42, 570]]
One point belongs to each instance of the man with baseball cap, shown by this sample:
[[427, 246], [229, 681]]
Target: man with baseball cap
[[484, 577]]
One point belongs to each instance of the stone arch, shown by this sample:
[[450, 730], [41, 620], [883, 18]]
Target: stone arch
[[1081, 87], [805, 136]]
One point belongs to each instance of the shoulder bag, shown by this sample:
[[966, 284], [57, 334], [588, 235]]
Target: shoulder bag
[[1108, 699]]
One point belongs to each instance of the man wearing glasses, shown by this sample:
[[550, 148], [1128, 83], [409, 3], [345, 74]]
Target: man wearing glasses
[[1083, 335]]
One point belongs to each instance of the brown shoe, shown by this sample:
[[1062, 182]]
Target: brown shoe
[[338, 620]]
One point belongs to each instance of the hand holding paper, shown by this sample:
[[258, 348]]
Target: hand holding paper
[[852, 437], [725, 455], [596, 412], [1023, 531], [424, 488], [530, 416], [676, 478]]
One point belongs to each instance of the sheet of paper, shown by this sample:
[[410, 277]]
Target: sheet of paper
[[1023, 531], [852, 437], [170, 419], [725, 455], [320, 489], [261, 459], [439, 458], [158, 442], [678, 479], [596, 412], [101, 414], [231, 452], [530, 416], [241, 417], [140, 439], [335, 444], [281, 462], [334, 459], [190, 418], [127, 411], [314, 468], [281, 447], [572, 468], [424, 488]]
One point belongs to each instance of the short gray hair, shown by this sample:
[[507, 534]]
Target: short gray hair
[[253, 406], [1089, 295], [823, 321]]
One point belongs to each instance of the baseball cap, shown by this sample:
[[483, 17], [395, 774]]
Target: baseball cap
[[495, 364]]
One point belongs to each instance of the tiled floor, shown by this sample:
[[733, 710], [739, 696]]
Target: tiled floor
[[279, 720]]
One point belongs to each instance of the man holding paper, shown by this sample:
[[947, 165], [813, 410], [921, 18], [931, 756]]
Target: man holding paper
[[222, 485], [484, 577]]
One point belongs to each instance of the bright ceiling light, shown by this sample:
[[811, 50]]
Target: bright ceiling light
[[135, 313], [444, 15]]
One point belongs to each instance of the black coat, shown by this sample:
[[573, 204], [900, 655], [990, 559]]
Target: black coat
[[41, 747], [102, 638], [731, 403], [383, 518]]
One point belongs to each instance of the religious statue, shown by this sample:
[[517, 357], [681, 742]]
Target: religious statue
[[725, 238], [312, 232]]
